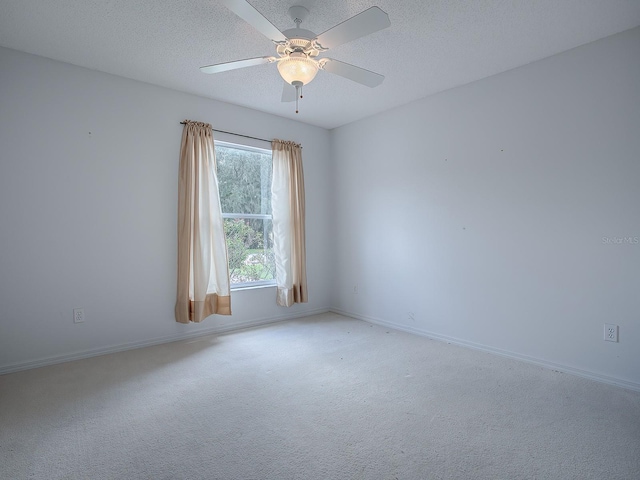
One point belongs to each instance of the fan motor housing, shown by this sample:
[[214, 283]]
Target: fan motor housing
[[299, 33]]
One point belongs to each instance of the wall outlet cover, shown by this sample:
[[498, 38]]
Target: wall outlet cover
[[610, 332], [78, 315]]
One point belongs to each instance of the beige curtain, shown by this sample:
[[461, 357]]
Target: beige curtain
[[287, 205], [203, 271]]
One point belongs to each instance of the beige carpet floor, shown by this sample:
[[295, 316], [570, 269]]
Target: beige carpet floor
[[324, 397]]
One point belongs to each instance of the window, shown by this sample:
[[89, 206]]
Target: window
[[244, 179]]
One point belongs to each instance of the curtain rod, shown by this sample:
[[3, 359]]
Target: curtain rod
[[236, 134]]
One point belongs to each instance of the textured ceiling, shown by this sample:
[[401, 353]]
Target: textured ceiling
[[432, 45]]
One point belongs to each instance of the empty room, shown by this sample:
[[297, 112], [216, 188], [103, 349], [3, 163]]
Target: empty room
[[304, 239]]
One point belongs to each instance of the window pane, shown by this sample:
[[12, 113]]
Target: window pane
[[250, 249], [244, 179]]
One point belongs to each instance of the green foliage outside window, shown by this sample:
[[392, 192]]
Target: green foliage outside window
[[244, 181]]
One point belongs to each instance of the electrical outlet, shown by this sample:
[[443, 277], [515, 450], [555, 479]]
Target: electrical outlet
[[610, 332], [78, 315]]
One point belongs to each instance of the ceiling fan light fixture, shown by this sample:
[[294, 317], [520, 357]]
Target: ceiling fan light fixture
[[297, 67], [298, 48]]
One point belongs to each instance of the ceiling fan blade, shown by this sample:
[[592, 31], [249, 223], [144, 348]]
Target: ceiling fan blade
[[223, 67], [288, 93], [365, 23], [357, 74], [254, 18]]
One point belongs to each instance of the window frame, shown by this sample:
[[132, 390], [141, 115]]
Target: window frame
[[251, 146]]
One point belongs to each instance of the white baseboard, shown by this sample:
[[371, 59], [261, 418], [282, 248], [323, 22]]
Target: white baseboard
[[43, 362], [94, 352], [496, 351]]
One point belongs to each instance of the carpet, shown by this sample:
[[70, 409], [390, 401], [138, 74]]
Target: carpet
[[322, 397]]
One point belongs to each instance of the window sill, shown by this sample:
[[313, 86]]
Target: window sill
[[252, 287]]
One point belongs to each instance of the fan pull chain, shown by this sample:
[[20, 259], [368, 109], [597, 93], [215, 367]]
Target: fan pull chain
[[297, 96]]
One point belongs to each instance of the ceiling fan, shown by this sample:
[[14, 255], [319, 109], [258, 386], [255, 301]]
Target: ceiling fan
[[298, 48]]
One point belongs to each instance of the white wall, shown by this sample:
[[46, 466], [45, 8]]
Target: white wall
[[88, 200], [483, 209]]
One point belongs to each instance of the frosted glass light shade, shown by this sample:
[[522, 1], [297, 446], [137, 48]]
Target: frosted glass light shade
[[297, 68]]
